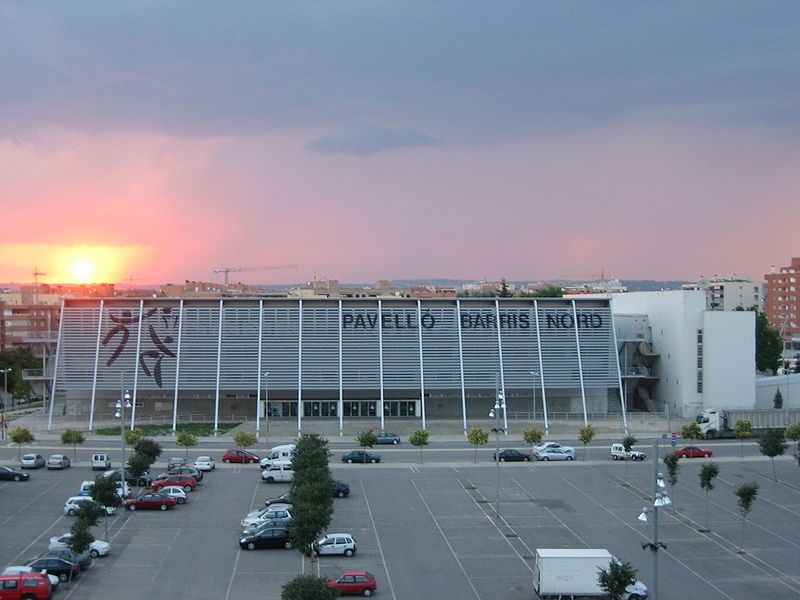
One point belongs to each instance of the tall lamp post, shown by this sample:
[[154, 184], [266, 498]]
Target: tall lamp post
[[123, 403], [660, 500], [499, 403]]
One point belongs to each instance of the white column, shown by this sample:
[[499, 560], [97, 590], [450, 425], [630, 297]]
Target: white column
[[622, 401], [136, 363], [461, 367], [541, 364], [421, 365], [55, 368], [258, 369], [219, 364], [341, 389], [300, 368], [380, 358], [580, 362], [96, 361], [177, 369], [502, 374]]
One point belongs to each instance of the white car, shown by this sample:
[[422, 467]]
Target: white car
[[176, 492], [277, 472], [546, 445], [21, 570], [204, 463], [265, 514], [335, 543], [96, 548], [73, 502]]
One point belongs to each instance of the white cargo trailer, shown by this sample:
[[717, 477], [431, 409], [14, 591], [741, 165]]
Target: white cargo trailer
[[572, 573]]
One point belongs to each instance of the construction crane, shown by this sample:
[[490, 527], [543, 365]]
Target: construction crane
[[227, 270], [36, 274]]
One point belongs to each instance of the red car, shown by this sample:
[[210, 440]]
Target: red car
[[25, 586], [693, 452], [239, 456], [354, 582], [187, 482], [151, 500]]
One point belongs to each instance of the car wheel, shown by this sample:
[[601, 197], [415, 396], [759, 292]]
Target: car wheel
[[706, 455], [131, 507], [181, 500], [684, 456], [350, 461], [27, 597], [270, 480], [251, 546], [546, 458], [226, 460], [570, 458], [17, 477], [63, 577], [187, 488], [502, 459], [367, 592], [94, 553], [163, 507], [527, 459], [372, 460], [348, 553], [395, 442], [288, 545], [340, 494], [634, 597], [71, 512]]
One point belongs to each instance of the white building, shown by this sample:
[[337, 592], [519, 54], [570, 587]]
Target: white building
[[729, 292]]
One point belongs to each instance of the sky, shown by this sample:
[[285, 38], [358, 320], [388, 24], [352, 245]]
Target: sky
[[154, 142]]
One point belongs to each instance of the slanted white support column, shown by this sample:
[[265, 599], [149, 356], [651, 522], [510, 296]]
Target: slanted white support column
[[461, 367], [300, 368], [580, 361], [380, 358], [96, 362], [177, 369], [421, 363], [55, 369], [219, 364], [622, 401], [136, 363], [502, 374], [541, 364], [341, 389]]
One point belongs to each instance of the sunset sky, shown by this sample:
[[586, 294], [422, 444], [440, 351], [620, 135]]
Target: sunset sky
[[366, 140]]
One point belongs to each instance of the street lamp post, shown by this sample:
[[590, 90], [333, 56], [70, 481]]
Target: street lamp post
[[660, 500], [124, 402], [499, 403]]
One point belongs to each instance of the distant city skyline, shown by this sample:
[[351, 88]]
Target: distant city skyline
[[364, 141]]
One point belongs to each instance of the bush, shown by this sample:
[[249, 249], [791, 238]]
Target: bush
[[244, 439]]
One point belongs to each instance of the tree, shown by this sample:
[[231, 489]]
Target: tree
[[312, 501], [420, 439], [187, 440], [104, 492], [692, 431], [138, 465], [366, 439], [72, 437], [793, 433], [477, 436], [551, 291], [533, 436], [586, 435], [614, 580], [504, 292], [307, 587], [243, 439], [148, 448], [746, 495], [743, 429], [773, 444], [80, 537], [769, 345], [777, 399], [628, 442], [21, 435], [708, 473], [132, 436], [672, 463], [89, 513]]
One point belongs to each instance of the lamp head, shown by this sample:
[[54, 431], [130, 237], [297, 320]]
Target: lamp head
[[492, 413], [117, 415], [500, 397], [643, 516]]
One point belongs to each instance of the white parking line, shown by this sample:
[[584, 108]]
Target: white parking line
[[377, 537]]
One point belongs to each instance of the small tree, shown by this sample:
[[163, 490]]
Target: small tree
[[81, 537], [672, 463], [746, 495], [777, 399], [692, 431], [477, 436], [533, 436], [307, 587], [132, 436], [420, 439], [793, 433], [366, 439], [148, 448], [104, 492], [614, 580], [708, 473], [243, 439], [138, 465], [628, 442], [187, 440], [586, 435], [21, 435], [743, 429], [72, 437], [773, 444]]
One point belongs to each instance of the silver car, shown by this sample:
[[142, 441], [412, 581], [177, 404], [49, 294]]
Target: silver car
[[58, 461], [32, 461], [335, 543], [556, 454]]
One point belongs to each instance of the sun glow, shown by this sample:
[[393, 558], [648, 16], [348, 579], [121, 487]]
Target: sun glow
[[82, 270]]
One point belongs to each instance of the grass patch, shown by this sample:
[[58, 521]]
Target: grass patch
[[198, 429]]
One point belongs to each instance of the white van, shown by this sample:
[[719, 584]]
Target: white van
[[277, 472], [279, 454], [100, 462], [618, 453]]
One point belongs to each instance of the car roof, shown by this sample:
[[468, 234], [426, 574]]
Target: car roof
[[356, 573], [338, 534]]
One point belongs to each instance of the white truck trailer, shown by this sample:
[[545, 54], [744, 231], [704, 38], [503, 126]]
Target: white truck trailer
[[572, 573]]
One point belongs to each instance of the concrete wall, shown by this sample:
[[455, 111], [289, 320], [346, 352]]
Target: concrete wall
[[729, 347], [789, 385]]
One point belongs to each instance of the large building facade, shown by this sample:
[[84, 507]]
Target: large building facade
[[782, 303], [343, 359]]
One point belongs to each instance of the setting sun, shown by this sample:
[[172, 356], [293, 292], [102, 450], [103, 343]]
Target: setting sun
[[82, 270]]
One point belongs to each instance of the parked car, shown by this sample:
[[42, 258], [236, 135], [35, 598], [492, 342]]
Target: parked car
[[73, 503], [268, 524], [239, 456], [339, 488], [360, 456], [388, 438], [285, 497], [22, 570], [354, 582], [96, 548], [143, 480], [187, 482], [198, 475], [335, 543], [511, 455], [58, 461], [25, 586], [267, 538], [277, 473], [205, 463], [546, 445], [100, 461], [9, 474], [32, 461], [618, 453], [278, 454], [562, 453], [63, 569], [151, 500], [176, 461], [84, 560], [693, 452], [265, 514], [176, 492]]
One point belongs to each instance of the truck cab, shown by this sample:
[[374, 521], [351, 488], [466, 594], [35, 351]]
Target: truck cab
[[712, 423]]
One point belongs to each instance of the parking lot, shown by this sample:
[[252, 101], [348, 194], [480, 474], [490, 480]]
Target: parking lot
[[429, 531]]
